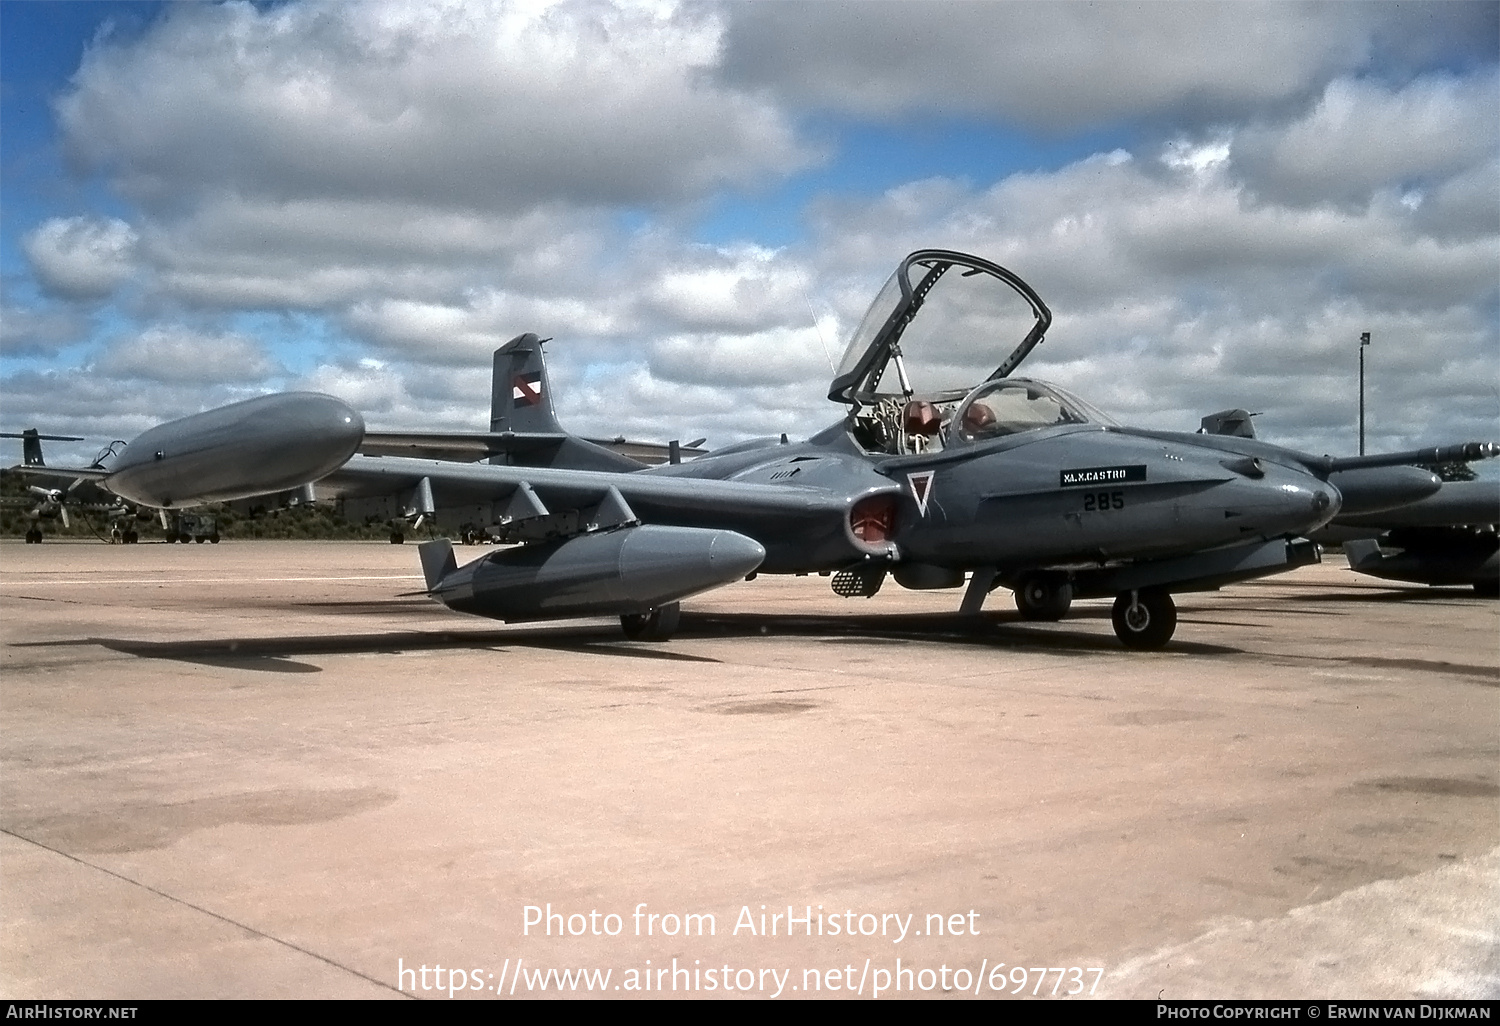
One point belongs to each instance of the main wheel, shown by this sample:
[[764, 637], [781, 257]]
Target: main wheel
[[657, 625], [1044, 597], [1144, 619], [397, 538]]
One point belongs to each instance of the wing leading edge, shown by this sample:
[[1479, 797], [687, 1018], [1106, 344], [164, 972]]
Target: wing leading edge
[[531, 503]]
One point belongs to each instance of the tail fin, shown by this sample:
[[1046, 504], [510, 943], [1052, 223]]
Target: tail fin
[[31, 444], [437, 561], [521, 401], [31, 448], [520, 394]]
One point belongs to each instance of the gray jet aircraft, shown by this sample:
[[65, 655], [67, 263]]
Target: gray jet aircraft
[[931, 478], [1444, 532], [936, 474], [1448, 538]]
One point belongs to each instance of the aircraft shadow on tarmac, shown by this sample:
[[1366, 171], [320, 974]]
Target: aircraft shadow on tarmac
[[277, 654], [1456, 593], [280, 654], [990, 630]]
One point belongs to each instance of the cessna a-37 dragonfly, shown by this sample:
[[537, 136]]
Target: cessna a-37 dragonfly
[[931, 478]]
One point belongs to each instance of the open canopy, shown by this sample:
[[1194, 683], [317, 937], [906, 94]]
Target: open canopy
[[935, 329]]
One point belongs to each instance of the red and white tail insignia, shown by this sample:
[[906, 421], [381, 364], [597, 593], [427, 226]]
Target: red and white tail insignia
[[526, 389], [921, 489]]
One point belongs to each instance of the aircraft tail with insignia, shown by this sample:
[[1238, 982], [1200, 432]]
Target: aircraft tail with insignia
[[524, 430], [520, 394], [521, 405], [31, 444]]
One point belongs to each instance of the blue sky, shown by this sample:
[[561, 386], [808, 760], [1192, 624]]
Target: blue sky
[[203, 202]]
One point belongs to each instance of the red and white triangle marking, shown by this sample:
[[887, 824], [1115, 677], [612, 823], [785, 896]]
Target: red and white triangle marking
[[921, 488]]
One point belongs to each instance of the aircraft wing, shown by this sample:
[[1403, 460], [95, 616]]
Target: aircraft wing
[[472, 446], [459, 446], [510, 489], [66, 476]]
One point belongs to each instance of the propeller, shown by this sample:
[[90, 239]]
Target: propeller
[[51, 503]]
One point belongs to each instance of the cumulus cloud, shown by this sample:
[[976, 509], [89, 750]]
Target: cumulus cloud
[[82, 401], [1363, 137], [1057, 66], [31, 332], [473, 106], [182, 355], [81, 257]]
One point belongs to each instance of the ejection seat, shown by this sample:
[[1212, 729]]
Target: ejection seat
[[922, 424]]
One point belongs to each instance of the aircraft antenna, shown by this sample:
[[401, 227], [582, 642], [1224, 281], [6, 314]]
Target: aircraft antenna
[[807, 298]]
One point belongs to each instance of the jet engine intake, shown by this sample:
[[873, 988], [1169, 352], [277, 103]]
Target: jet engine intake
[[872, 523]]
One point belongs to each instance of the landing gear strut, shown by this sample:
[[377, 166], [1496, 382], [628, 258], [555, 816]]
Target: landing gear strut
[[657, 625], [1144, 619], [1044, 596]]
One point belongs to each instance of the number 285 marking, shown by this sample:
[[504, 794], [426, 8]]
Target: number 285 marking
[[1103, 501]]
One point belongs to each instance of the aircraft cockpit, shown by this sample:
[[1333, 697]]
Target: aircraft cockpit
[[908, 375], [1011, 406]]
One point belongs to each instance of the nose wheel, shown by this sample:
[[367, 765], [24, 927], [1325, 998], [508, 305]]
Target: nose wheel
[[1144, 619]]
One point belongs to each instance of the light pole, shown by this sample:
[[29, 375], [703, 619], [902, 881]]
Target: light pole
[[1364, 340]]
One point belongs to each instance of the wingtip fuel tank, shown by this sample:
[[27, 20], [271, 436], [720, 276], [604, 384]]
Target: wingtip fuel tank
[[624, 571], [268, 444]]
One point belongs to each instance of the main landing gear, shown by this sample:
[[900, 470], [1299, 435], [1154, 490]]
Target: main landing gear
[[1044, 597], [1144, 619], [657, 625]]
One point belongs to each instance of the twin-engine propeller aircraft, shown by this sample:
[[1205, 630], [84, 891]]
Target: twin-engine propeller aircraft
[[940, 471]]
